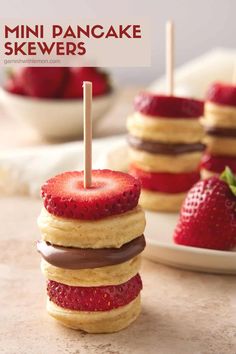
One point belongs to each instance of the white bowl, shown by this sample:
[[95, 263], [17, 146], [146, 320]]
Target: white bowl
[[54, 118]]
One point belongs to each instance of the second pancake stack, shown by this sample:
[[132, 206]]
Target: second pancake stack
[[220, 127], [165, 148]]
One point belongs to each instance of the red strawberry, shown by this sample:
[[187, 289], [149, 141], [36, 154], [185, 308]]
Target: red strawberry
[[208, 215], [165, 182], [99, 78], [167, 106], [13, 87], [74, 85], [73, 88], [111, 193], [220, 93], [218, 163], [100, 298], [42, 82], [100, 84]]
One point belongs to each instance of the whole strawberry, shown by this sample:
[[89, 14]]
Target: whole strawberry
[[13, 87], [112, 193], [42, 82], [208, 215], [73, 87]]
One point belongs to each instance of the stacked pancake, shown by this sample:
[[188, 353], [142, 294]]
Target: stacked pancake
[[165, 148], [91, 244], [220, 130]]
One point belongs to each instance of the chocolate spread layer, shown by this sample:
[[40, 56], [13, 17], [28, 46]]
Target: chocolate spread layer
[[154, 147], [84, 258], [222, 132]]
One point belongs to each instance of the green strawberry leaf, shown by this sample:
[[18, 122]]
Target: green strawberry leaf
[[233, 189], [228, 177]]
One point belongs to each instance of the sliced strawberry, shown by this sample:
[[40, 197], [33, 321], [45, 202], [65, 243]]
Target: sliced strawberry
[[74, 89], [167, 106], [165, 182], [111, 193], [208, 215], [223, 94], [100, 298], [41, 82], [218, 163]]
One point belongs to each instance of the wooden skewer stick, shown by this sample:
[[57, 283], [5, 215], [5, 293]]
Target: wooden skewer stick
[[87, 101], [170, 57]]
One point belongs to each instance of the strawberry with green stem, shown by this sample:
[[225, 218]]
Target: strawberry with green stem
[[208, 215]]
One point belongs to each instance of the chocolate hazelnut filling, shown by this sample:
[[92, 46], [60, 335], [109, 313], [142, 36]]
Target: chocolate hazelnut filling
[[221, 132], [86, 258], [155, 147]]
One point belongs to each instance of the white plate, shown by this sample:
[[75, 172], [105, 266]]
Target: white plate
[[161, 248], [159, 233]]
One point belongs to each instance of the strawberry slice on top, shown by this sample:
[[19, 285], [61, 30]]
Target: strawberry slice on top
[[208, 215], [111, 193], [222, 94], [167, 106]]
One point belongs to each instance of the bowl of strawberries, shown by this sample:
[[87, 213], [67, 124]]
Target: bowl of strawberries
[[50, 99]]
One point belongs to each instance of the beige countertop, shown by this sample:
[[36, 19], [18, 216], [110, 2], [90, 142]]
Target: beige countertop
[[182, 313]]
